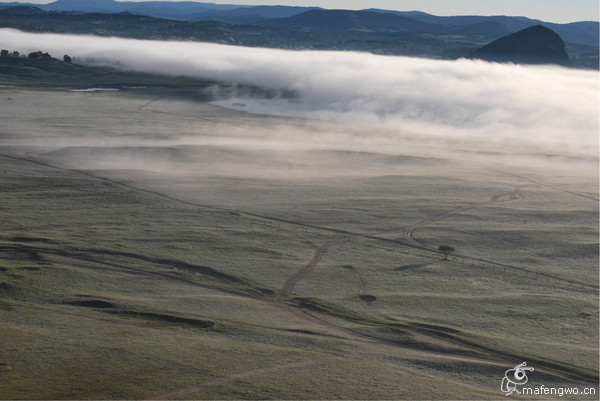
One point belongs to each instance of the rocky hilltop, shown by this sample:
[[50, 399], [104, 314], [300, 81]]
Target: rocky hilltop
[[533, 45]]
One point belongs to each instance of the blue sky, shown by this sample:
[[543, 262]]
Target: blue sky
[[547, 10]]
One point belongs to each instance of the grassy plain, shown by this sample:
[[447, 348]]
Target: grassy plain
[[155, 246]]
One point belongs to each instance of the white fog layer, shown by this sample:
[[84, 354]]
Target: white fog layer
[[554, 108]]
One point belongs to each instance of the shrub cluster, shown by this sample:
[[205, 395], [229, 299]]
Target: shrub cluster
[[38, 55]]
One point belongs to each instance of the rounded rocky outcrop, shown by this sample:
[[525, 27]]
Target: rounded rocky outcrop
[[534, 45]]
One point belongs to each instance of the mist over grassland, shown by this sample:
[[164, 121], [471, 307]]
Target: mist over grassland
[[159, 246], [541, 108]]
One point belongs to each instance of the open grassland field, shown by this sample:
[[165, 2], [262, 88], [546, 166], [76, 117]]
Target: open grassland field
[[154, 246]]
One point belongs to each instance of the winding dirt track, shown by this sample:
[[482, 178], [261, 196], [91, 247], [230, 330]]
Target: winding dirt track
[[281, 299], [408, 231], [483, 355], [291, 282], [295, 278]]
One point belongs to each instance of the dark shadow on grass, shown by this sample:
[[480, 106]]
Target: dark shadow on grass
[[204, 270], [114, 309], [93, 303], [368, 298], [413, 266], [159, 317]]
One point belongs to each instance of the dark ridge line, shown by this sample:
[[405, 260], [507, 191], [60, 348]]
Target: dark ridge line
[[248, 292], [446, 333], [33, 253], [204, 270], [572, 372]]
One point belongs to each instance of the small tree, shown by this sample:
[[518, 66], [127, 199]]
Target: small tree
[[446, 250], [39, 55], [4, 53], [67, 59]]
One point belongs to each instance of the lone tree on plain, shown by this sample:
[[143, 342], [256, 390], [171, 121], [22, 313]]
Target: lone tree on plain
[[446, 250]]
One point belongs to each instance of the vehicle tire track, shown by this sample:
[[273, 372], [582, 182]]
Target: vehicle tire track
[[482, 353], [552, 186], [295, 278], [298, 275], [408, 232], [511, 196]]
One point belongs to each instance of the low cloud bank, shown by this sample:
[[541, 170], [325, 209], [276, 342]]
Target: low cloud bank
[[549, 107]]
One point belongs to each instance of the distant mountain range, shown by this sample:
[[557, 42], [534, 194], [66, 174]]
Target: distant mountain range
[[181, 10], [379, 31], [585, 32], [341, 20]]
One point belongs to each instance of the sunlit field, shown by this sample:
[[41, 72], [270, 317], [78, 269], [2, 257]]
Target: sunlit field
[[157, 245]]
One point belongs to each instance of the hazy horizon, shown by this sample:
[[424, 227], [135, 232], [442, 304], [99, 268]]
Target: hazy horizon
[[546, 10], [545, 108]]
